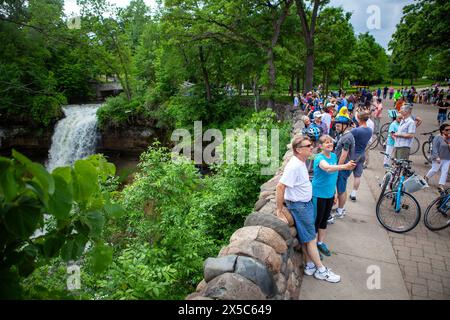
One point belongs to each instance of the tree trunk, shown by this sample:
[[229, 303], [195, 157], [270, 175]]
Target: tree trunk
[[309, 69], [272, 78], [308, 33], [255, 88], [270, 54], [298, 81], [402, 81], [205, 74]]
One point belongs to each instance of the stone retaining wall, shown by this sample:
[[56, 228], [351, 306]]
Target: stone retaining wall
[[263, 260]]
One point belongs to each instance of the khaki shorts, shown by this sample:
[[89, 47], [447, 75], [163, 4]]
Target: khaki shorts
[[402, 153]]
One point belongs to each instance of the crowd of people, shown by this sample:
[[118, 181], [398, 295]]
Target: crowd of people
[[331, 147]]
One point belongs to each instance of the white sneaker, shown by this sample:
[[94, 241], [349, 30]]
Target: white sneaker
[[327, 275], [340, 215], [309, 271], [331, 220]]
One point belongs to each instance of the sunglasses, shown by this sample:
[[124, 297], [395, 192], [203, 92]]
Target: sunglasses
[[307, 146]]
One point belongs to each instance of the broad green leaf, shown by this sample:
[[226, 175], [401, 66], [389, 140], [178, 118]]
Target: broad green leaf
[[37, 189], [38, 171], [8, 185], [60, 203], [101, 257], [73, 247], [21, 158], [86, 180], [64, 172], [23, 217], [42, 176], [5, 163], [52, 245], [95, 221], [26, 264]]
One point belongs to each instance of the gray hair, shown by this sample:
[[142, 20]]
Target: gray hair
[[407, 108]]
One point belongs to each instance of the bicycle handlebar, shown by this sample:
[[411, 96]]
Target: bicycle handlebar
[[430, 133], [399, 161]]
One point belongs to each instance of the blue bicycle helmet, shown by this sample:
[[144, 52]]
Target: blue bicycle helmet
[[313, 133], [343, 120], [393, 114]]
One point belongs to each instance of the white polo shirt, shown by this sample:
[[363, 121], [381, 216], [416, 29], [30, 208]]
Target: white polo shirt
[[296, 179]]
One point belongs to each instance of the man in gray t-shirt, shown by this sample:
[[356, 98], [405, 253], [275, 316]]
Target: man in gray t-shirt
[[346, 143], [345, 151]]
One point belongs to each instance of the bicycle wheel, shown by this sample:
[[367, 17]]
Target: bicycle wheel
[[426, 150], [385, 127], [415, 146], [374, 143], [383, 136], [437, 215], [386, 180], [403, 221]]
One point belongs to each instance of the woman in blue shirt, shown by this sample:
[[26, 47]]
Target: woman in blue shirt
[[324, 187]]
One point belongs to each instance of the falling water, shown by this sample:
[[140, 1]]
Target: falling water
[[75, 136]]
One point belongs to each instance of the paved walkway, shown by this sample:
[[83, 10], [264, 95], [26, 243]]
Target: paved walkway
[[361, 250], [423, 255]]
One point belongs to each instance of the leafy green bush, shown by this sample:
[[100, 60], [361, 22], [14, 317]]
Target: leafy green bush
[[118, 111], [77, 210]]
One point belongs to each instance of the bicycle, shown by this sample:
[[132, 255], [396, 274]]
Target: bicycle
[[437, 216], [427, 146], [391, 176], [397, 210]]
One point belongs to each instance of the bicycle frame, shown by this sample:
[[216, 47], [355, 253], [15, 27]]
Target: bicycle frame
[[399, 195], [443, 206]]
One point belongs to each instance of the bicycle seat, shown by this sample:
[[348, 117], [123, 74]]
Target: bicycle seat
[[403, 161]]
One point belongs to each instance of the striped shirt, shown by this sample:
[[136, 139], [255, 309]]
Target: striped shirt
[[406, 126]]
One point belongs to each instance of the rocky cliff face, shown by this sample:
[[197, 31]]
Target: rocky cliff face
[[36, 142], [28, 140]]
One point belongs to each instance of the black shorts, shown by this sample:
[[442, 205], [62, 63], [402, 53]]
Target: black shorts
[[322, 207]]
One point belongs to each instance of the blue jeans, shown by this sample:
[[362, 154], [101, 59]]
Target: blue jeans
[[305, 219]]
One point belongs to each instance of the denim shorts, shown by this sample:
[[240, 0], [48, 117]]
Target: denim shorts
[[358, 171], [442, 117], [342, 180], [305, 219]]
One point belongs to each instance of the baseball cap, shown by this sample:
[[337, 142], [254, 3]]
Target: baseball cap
[[317, 114]]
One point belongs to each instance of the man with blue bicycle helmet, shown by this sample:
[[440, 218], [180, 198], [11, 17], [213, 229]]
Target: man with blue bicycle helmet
[[345, 151]]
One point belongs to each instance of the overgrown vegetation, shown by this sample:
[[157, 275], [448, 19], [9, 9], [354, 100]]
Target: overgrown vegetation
[[175, 218]]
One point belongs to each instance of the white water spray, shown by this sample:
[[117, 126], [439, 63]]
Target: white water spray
[[75, 136]]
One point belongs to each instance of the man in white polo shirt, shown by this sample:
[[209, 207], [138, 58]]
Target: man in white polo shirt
[[405, 134], [295, 189]]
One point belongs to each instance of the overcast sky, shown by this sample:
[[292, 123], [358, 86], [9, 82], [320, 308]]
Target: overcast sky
[[365, 14]]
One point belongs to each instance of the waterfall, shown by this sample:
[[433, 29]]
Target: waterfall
[[75, 136]]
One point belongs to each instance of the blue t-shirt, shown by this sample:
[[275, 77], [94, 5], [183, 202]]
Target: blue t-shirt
[[392, 128], [362, 136], [324, 183]]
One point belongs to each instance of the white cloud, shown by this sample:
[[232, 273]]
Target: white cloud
[[391, 13]]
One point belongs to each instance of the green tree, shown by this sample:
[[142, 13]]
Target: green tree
[[335, 42], [308, 20]]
